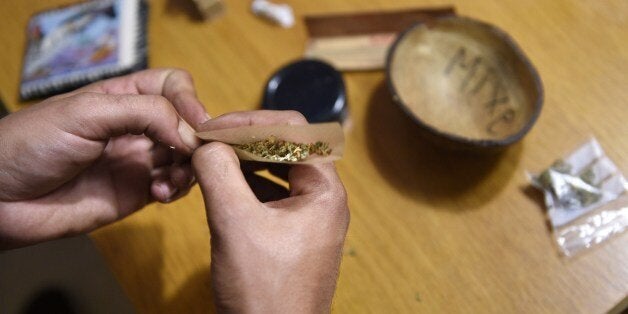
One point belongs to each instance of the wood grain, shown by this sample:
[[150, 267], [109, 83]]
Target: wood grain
[[431, 231]]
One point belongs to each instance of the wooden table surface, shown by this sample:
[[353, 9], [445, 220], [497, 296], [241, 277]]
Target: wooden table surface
[[431, 231]]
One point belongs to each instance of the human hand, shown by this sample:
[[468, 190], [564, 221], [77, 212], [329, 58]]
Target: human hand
[[81, 160], [281, 256]]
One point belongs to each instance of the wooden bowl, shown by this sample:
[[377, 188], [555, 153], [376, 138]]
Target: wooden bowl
[[465, 82]]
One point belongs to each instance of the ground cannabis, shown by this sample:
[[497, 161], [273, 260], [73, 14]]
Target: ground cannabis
[[559, 166], [280, 150], [573, 191]]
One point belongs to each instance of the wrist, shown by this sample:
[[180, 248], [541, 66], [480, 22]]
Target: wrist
[[304, 288], [293, 299]]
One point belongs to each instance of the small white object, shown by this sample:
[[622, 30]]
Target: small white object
[[279, 13]]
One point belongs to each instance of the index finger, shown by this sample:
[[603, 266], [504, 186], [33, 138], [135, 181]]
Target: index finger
[[174, 84], [255, 117]]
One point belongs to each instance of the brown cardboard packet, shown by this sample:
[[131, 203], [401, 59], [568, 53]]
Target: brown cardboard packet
[[330, 133], [360, 41]]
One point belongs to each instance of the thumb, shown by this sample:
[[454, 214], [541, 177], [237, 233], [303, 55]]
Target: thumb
[[222, 183]]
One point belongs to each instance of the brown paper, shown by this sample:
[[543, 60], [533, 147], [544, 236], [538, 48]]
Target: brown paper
[[330, 133]]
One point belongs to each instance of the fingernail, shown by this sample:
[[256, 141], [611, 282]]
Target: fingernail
[[187, 135], [171, 197], [164, 190], [167, 191], [201, 126], [207, 117]]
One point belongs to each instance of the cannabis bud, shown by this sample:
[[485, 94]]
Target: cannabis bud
[[280, 150]]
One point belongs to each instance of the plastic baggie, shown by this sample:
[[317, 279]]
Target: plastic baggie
[[586, 198]]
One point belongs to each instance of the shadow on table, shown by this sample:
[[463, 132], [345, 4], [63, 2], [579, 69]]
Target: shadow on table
[[425, 172], [183, 7], [535, 195], [61, 276], [145, 288]]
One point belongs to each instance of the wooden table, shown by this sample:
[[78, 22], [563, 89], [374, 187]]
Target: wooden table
[[431, 231]]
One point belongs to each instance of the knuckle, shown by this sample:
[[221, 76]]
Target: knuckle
[[158, 103], [177, 74], [76, 103], [295, 117], [182, 73], [84, 97], [158, 100], [90, 100], [339, 194], [335, 198], [342, 194], [60, 97]]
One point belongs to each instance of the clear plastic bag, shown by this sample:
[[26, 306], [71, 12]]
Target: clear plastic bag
[[586, 197]]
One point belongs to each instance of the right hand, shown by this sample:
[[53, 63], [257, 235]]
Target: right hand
[[275, 257]]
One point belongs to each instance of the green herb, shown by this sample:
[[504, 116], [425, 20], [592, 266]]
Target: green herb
[[561, 166], [280, 150], [545, 178], [588, 176], [571, 190], [586, 197]]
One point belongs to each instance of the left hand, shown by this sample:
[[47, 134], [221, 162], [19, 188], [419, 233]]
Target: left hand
[[84, 159]]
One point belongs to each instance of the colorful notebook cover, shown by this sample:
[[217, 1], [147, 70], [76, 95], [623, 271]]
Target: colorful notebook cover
[[75, 45]]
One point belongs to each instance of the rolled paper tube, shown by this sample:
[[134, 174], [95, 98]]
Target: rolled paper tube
[[329, 133]]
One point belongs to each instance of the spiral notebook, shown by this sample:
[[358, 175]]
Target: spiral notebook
[[72, 46]]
